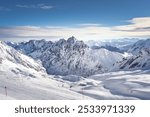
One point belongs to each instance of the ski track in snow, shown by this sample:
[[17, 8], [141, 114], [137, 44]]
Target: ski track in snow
[[114, 85]]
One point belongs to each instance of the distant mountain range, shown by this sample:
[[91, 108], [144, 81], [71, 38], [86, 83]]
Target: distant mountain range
[[122, 44], [74, 57]]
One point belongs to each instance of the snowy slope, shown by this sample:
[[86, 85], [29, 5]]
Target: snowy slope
[[70, 56], [134, 63], [12, 60], [44, 88]]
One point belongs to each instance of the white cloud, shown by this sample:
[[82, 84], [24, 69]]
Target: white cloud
[[30, 32], [89, 25], [138, 28], [136, 24], [38, 6], [46, 7]]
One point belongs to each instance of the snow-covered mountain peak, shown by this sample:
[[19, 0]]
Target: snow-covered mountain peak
[[61, 42], [71, 40], [71, 43]]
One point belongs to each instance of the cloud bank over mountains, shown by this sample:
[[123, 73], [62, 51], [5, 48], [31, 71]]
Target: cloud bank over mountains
[[136, 28]]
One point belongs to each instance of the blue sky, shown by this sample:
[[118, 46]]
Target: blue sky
[[67, 17]]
